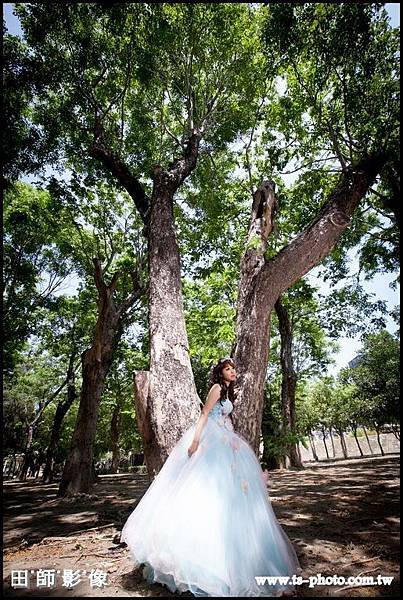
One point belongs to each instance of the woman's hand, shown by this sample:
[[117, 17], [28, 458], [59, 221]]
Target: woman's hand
[[193, 447]]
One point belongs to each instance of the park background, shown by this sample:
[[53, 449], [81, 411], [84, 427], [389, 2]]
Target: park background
[[59, 214]]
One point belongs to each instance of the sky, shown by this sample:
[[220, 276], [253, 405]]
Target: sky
[[379, 286]]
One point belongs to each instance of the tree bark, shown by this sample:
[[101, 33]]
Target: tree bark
[[288, 383], [172, 404], [61, 411], [251, 351], [142, 404]]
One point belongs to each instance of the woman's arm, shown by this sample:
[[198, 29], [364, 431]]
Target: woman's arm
[[213, 396]]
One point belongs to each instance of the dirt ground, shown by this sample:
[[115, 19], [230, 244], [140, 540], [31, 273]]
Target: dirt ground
[[342, 517]]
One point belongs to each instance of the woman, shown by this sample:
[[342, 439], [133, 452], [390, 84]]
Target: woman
[[205, 523]]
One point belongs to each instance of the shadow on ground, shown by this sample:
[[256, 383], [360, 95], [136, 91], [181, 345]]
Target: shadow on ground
[[342, 517]]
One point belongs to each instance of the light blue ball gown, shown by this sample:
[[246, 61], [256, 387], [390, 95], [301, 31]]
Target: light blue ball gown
[[206, 523]]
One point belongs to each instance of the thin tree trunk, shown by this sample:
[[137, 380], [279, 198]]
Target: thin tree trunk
[[270, 430], [324, 442], [288, 383], [368, 440], [332, 440], [356, 439], [312, 443], [114, 435], [61, 411], [28, 454], [342, 443], [378, 437], [299, 454], [31, 429]]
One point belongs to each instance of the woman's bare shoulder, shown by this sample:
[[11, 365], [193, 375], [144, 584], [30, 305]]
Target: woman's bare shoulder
[[212, 397]]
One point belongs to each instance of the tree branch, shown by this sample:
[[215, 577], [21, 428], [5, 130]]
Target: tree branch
[[120, 170], [309, 248], [99, 277], [181, 167]]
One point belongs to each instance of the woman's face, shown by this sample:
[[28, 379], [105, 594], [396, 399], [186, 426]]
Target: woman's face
[[229, 373]]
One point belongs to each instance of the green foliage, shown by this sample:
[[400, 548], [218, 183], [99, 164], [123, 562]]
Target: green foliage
[[210, 315], [311, 346], [34, 262], [377, 377], [36, 376], [366, 394], [149, 71], [339, 64]]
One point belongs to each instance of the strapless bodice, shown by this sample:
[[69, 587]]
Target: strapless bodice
[[220, 413]]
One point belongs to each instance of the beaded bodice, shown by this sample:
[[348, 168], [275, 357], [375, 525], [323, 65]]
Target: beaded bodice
[[220, 413]]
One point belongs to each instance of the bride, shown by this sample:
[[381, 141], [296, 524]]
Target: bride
[[206, 523]]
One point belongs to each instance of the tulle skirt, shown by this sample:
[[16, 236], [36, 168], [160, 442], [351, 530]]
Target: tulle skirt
[[206, 523]]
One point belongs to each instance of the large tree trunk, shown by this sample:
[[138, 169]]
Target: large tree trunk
[[263, 280], [171, 402], [61, 411], [288, 383], [79, 473], [251, 350], [172, 399], [166, 396]]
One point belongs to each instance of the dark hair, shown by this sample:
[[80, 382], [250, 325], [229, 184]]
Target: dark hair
[[216, 377]]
